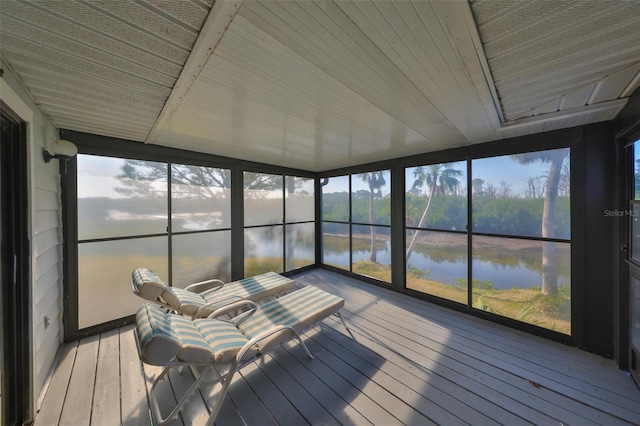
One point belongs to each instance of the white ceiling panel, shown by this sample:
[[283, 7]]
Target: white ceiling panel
[[577, 98], [542, 52], [418, 39], [341, 50], [101, 65], [611, 87], [323, 84], [256, 89]]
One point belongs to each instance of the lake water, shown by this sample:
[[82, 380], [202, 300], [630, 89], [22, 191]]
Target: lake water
[[502, 276]]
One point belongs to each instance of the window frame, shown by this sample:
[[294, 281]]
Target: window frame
[[351, 224], [111, 147], [572, 138], [284, 223]]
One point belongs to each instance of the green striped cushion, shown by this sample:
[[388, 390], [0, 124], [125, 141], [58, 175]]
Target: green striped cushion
[[183, 300], [193, 347], [147, 283], [223, 338], [253, 288], [165, 336], [158, 343], [300, 310]]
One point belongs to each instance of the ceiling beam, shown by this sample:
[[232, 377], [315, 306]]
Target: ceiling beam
[[458, 20], [214, 27]]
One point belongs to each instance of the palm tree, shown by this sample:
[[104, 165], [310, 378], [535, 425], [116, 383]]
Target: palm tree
[[555, 158], [438, 177], [477, 184], [375, 181]]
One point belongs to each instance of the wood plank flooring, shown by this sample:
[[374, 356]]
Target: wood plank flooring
[[411, 363]]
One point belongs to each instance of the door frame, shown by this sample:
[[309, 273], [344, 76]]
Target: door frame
[[16, 300], [628, 356]]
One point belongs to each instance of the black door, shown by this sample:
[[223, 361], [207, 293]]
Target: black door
[[633, 263], [15, 360]]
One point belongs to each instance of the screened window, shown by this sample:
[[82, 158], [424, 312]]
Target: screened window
[[200, 224], [134, 213], [356, 213], [300, 218], [521, 265], [122, 224], [636, 170], [201, 256], [370, 198], [279, 216], [335, 199], [436, 222], [300, 201], [510, 194], [118, 197], [200, 198], [336, 250], [519, 237], [263, 250], [300, 245], [336, 231]]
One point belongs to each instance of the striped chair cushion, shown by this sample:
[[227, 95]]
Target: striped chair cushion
[[164, 336], [299, 309], [183, 300], [253, 288], [223, 338], [158, 343], [193, 347], [147, 283]]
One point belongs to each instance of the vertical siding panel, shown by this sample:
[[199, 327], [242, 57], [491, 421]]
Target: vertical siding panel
[[45, 234], [47, 268]]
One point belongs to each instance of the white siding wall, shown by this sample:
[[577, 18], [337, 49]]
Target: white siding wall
[[45, 229]]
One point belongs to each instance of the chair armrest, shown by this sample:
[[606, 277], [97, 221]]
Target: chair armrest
[[224, 302], [232, 307], [201, 286]]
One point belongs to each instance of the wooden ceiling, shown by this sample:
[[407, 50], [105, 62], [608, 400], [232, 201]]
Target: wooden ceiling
[[318, 85]]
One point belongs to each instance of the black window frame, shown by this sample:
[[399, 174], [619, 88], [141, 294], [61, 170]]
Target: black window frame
[[351, 223], [118, 148], [573, 138], [284, 222]]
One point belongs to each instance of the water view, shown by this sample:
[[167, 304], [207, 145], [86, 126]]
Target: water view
[[520, 266], [516, 270]]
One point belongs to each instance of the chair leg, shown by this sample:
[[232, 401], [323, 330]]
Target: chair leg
[[225, 380], [153, 399], [211, 382], [304, 346], [339, 315]]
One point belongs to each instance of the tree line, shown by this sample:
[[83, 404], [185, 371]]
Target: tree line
[[491, 214], [510, 215]]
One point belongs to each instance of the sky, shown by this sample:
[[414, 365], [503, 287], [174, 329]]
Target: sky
[[499, 169], [494, 170], [97, 175]]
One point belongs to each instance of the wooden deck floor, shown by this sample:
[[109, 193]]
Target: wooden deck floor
[[411, 363]]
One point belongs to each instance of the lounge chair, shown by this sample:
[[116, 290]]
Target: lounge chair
[[200, 299], [224, 347]]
